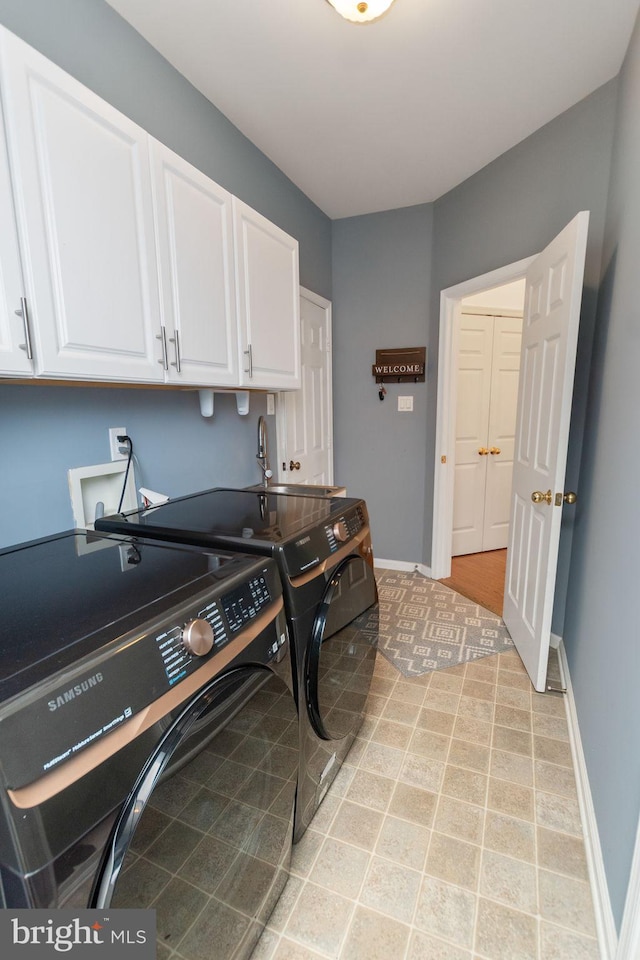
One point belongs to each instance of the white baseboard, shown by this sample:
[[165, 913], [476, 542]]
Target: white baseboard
[[555, 640], [405, 565], [605, 924]]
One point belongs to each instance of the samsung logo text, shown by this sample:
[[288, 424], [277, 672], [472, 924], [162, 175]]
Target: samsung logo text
[[76, 691]]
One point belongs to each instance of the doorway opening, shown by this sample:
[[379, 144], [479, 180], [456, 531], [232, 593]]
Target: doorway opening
[[477, 294]]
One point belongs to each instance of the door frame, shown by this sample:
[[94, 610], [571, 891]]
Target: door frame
[[450, 299], [281, 425]]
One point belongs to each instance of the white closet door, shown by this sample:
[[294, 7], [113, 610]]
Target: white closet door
[[475, 352], [507, 337]]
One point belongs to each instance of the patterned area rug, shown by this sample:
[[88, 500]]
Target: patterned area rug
[[426, 626]]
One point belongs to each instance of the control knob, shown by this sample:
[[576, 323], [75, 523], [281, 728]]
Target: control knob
[[197, 636], [340, 531]]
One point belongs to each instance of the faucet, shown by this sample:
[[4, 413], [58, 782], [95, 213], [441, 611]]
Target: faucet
[[261, 455]]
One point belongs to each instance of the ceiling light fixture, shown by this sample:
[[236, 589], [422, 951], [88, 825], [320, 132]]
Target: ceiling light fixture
[[357, 11]]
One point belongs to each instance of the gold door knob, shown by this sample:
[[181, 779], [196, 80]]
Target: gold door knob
[[495, 450], [538, 497], [294, 464], [570, 497], [483, 451]]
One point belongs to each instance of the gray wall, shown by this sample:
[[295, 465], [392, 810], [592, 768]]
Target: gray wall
[[381, 284], [46, 430], [510, 210], [601, 628]]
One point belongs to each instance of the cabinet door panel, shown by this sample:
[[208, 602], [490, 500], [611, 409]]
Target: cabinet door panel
[[83, 187], [13, 359], [195, 252], [268, 300]]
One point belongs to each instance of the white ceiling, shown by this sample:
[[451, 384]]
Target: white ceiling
[[394, 113]]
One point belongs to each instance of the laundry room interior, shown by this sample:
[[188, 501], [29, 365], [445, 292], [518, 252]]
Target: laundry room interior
[[472, 791]]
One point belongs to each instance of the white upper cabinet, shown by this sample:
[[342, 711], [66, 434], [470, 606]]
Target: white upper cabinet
[[194, 233], [82, 186], [268, 297], [15, 345]]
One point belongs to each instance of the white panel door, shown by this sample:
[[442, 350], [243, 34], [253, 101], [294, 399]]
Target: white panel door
[[83, 200], [268, 294], [307, 418], [14, 336], [549, 339], [475, 354], [195, 254], [505, 371]]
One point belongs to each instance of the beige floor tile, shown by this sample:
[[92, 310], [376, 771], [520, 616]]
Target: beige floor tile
[[404, 842], [433, 842], [453, 860], [562, 853], [555, 779], [559, 944], [319, 919], [391, 734], [558, 813], [508, 835], [512, 741], [512, 766], [446, 911], [512, 882], [567, 902], [505, 934], [391, 889], [357, 825], [473, 709], [458, 819], [510, 798], [370, 789], [340, 867], [507, 716], [473, 730], [289, 950], [422, 772], [374, 937], [424, 947], [414, 804], [474, 756], [435, 720], [553, 751], [464, 784], [426, 743]]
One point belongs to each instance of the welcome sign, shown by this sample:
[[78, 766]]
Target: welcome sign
[[400, 365]]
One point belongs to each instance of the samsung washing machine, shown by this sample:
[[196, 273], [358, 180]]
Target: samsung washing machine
[[323, 551], [149, 741]]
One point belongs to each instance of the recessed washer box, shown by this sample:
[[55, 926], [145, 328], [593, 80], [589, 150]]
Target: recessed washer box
[[100, 483]]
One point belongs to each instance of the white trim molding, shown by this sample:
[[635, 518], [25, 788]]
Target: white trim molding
[[605, 924], [446, 407], [629, 942], [405, 565]]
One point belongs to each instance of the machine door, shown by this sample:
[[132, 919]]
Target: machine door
[[342, 651], [205, 836]]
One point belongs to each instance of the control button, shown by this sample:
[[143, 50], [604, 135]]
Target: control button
[[197, 636], [340, 531]]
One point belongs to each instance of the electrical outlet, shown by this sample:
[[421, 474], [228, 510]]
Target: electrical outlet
[[119, 451], [271, 404]]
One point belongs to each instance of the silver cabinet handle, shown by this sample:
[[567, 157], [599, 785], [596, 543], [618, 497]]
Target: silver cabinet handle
[[23, 312], [176, 340], [249, 353], [162, 337]]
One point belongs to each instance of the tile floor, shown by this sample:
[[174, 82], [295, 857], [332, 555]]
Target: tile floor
[[452, 832]]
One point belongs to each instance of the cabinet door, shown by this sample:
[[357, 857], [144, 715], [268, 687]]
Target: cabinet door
[[268, 291], [83, 199], [194, 232], [14, 338]]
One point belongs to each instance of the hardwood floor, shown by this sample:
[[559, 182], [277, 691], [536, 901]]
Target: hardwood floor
[[480, 577]]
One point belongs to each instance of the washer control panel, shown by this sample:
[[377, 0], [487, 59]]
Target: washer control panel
[[345, 528], [211, 628]]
